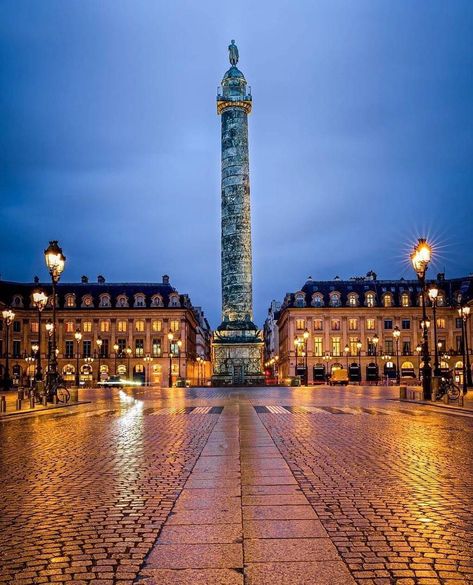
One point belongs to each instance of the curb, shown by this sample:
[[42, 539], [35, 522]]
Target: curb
[[441, 406], [17, 413]]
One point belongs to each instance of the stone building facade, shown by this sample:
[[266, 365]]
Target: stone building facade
[[237, 346], [135, 316], [339, 315]]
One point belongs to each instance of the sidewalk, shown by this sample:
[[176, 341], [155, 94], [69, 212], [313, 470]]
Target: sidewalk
[[467, 403], [11, 397]]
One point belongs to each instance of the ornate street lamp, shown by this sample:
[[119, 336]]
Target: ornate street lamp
[[116, 347], [420, 258], [129, 351], [99, 343], [49, 330], [55, 261], [346, 351], [170, 340], [40, 300], [179, 345], [199, 361], [464, 313], [77, 337], [147, 359], [397, 335], [359, 345], [8, 318], [433, 293], [375, 341], [305, 336]]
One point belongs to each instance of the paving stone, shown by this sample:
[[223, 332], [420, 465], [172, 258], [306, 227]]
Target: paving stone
[[191, 577], [283, 529], [313, 573], [289, 550], [201, 534]]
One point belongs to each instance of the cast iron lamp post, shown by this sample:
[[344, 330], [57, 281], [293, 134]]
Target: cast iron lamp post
[[179, 345], [464, 313], [49, 330], [306, 335], [77, 337], [359, 345], [433, 294], [375, 341], [115, 353], [55, 261], [346, 351], [199, 375], [170, 340], [40, 300], [129, 351], [8, 317], [397, 335], [420, 258], [147, 359], [99, 343]]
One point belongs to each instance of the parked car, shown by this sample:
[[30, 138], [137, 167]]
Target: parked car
[[339, 377]]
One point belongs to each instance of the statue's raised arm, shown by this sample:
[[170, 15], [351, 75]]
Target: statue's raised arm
[[233, 53]]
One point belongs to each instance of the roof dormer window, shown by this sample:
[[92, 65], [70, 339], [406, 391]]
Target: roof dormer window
[[87, 301], [122, 301], [140, 300]]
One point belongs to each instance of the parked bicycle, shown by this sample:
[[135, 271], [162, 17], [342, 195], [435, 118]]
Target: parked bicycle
[[448, 387], [56, 388]]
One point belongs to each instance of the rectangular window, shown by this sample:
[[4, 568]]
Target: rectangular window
[[352, 324], [405, 300], [104, 348], [86, 348], [104, 326], [139, 347], [34, 326], [458, 323], [69, 326], [87, 326], [69, 349], [174, 348], [16, 348], [406, 348], [388, 324], [370, 348], [441, 323], [156, 347], [121, 344], [389, 346], [157, 325], [140, 326], [16, 326], [318, 347], [174, 326], [405, 324], [336, 346], [441, 344], [121, 326], [335, 324], [318, 324], [300, 323], [370, 324], [70, 301], [459, 344], [353, 345]]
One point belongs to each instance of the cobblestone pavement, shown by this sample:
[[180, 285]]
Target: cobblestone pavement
[[215, 486]]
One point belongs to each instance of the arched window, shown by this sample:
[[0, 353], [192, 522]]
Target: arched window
[[139, 300], [140, 325], [87, 301], [299, 299], [370, 299], [105, 300], [17, 301], [352, 299], [317, 300], [335, 299], [174, 300], [405, 300], [122, 301], [156, 301], [70, 300], [441, 299], [388, 300]]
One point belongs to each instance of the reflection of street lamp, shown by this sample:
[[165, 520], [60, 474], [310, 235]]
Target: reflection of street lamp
[[147, 359], [40, 300], [170, 339], [8, 317], [99, 343], [464, 313], [396, 335], [346, 351], [359, 345], [55, 261], [306, 335], [49, 330], [297, 342], [129, 351], [179, 345], [78, 337], [420, 258], [116, 347], [433, 293], [375, 340]]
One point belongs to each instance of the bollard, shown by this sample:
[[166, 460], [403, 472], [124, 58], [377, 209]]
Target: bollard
[[32, 400], [21, 394], [55, 399], [3, 404], [44, 400], [18, 403]]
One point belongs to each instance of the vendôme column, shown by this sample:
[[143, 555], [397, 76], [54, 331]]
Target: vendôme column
[[237, 344]]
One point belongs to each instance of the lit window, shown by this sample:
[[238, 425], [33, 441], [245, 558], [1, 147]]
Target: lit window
[[441, 323], [121, 326], [87, 301], [370, 323], [318, 346], [370, 299], [335, 324], [157, 325], [70, 326], [300, 324], [405, 302], [87, 326], [336, 346], [34, 326], [104, 326], [318, 324], [352, 324], [388, 300], [156, 347], [140, 326], [352, 300], [353, 345], [174, 326], [139, 347], [70, 301]]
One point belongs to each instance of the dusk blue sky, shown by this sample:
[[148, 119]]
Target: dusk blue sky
[[361, 138]]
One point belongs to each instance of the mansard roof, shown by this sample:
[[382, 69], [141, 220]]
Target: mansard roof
[[362, 285]]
